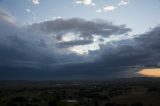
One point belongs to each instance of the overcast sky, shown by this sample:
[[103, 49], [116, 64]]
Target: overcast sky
[[78, 39]]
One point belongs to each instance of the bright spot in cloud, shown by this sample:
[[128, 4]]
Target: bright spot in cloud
[[153, 72], [68, 37], [79, 50], [84, 49]]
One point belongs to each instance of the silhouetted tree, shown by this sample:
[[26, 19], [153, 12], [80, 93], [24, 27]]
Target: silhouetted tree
[[52, 103], [137, 104], [18, 101]]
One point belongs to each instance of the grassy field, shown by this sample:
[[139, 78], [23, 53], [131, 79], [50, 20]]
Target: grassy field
[[120, 92]]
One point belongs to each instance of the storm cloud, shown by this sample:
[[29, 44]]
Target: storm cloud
[[143, 50], [21, 44], [34, 52], [72, 43], [82, 28]]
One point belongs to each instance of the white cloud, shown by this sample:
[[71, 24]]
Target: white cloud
[[36, 2], [31, 13], [99, 10], [6, 16], [85, 2], [123, 2], [57, 17], [106, 9], [109, 8], [28, 10], [112, 7]]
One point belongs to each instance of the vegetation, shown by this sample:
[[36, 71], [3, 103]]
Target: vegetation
[[93, 93]]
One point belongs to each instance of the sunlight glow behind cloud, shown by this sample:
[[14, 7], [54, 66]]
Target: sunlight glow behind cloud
[[153, 72]]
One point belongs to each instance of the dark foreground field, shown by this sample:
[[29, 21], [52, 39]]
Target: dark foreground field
[[120, 92]]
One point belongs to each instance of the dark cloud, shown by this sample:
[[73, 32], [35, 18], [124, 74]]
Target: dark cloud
[[143, 50], [113, 61], [72, 71], [150, 39], [150, 42], [84, 28], [24, 44], [72, 43], [31, 53], [16, 48]]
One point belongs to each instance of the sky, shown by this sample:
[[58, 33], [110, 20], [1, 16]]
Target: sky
[[78, 39]]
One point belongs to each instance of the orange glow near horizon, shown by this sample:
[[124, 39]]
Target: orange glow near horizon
[[152, 72]]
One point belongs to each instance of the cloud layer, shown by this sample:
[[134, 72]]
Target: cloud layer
[[73, 43], [38, 51], [82, 28]]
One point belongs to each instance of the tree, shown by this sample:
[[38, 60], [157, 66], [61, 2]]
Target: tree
[[18, 101], [137, 104]]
